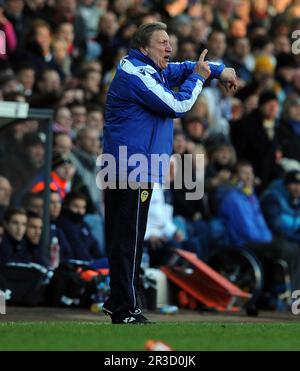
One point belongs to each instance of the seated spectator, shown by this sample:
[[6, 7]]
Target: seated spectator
[[239, 51], [79, 115], [33, 239], [289, 130], [65, 32], [65, 251], [91, 82], [39, 46], [62, 120], [62, 144], [187, 50], [83, 244], [48, 90], [222, 159], [255, 138], [240, 211], [5, 195], [33, 202], [61, 56], [26, 281], [216, 45], [26, 76], [95, 119], [84, 158], [62, 174], [12, 247], [219, 170], [196, 128], [281, 206]]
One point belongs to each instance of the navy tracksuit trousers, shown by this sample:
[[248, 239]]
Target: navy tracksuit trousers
[[126, 212]]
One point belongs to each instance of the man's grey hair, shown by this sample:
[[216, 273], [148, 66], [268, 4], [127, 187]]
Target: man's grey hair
[[144, 33]]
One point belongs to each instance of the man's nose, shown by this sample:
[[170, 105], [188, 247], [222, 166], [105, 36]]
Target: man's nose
[[169, 48]]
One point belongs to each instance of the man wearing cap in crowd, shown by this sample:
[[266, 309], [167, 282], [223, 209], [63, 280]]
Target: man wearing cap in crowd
[[285, 69], [62, 174]]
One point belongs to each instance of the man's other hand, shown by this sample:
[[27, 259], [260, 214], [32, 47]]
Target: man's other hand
[[228, 79]]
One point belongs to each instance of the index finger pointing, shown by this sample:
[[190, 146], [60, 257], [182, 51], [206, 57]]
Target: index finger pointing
[[203, 55]]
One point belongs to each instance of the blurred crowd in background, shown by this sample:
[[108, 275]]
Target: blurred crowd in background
[[62, 55]]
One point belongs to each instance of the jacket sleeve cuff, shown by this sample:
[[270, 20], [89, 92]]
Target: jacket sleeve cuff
[[216, 69], [199, 77]]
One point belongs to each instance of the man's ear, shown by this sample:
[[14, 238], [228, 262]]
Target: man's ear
[[144, 50]]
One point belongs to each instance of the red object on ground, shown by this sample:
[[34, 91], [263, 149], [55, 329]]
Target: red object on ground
[[157, 345], [89, 274], [205, 284]]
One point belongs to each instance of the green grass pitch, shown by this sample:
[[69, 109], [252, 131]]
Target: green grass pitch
[[181, 336]]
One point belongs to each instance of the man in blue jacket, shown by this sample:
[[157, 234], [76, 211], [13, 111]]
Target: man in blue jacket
[[240, 209], [281, 205], [241, 212], [139, 112]]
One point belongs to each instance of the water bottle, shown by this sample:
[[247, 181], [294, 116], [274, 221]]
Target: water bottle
[[145, 264], [54, 253], [101, 295], [169, 309]]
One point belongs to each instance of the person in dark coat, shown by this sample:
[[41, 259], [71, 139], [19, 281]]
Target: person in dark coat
[[5, 195], [66, 11], [84, 246], [65, 251], [289, 131], [255, 138], [33, 239], [39, 49], [12, 247]]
